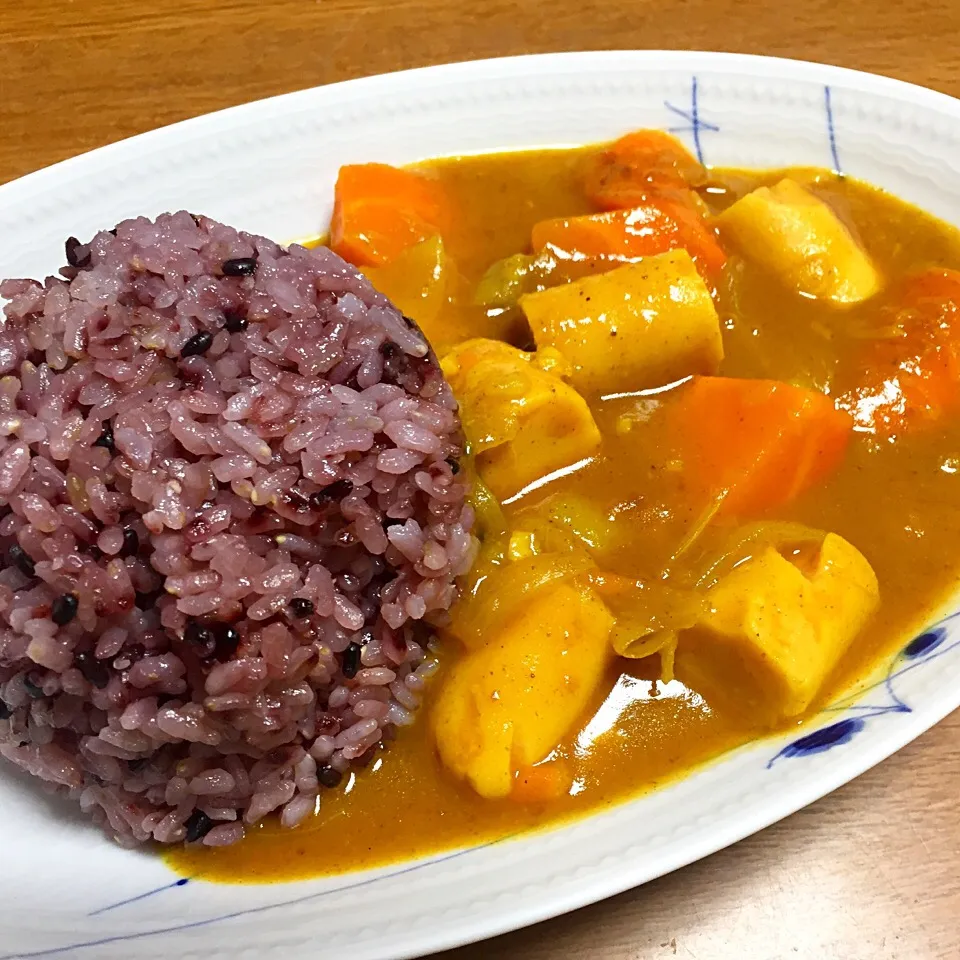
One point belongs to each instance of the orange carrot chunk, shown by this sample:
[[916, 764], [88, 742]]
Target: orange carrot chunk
[[757, 444], [630, 170], [909, 377], [379, 211], [663, 223]]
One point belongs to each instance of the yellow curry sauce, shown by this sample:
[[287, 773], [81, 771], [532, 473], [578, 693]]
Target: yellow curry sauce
[[897, 502]]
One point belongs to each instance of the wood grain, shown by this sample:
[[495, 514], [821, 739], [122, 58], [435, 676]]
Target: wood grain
[[870, 873]]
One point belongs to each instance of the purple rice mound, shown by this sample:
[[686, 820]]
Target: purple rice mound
[[229, 519]]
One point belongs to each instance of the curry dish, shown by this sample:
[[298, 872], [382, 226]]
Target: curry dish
[[713, 419]]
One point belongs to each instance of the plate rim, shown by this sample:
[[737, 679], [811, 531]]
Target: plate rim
[[719, 61]]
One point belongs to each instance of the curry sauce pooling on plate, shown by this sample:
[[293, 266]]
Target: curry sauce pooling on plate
[[714, 428]]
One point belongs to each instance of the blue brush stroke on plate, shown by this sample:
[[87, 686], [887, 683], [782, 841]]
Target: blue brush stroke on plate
[[843, 731], [182, 882], [693, 118], [831, 131], [921, 650], [72, 948], [925, 643]]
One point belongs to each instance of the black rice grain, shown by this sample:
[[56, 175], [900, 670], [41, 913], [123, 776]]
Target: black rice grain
[[239, 267], [93, 670], [393, 361], [198, 826], [335, 491], [131, 542], [226, 640], [64, 609], [76, 259], [106, 437], [329, 776], [21, 560], [201, 638], [234, 322], [351, 661], [301, 606], [197, 345]]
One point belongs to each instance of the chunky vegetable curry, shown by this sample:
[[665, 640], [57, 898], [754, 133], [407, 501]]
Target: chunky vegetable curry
[[714, 430]]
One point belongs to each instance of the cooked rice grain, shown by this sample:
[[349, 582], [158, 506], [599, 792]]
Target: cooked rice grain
[[228, 512]]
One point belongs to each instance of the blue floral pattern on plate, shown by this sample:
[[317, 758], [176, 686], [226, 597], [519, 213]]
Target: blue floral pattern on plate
[[923, 648]]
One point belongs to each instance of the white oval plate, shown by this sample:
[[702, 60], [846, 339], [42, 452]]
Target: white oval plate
[[269, 167]]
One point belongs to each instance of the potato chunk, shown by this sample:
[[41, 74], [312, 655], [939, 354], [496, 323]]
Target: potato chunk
[[508, 704], [420, 281], [775, 631], [521, 419], [796, 236], [642, 325], [503, 579]]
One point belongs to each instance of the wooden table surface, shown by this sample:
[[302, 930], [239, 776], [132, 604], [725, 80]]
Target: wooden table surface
[[869, 873]]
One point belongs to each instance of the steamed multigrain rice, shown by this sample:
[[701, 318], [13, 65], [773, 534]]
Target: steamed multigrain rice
[[228, 510]]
